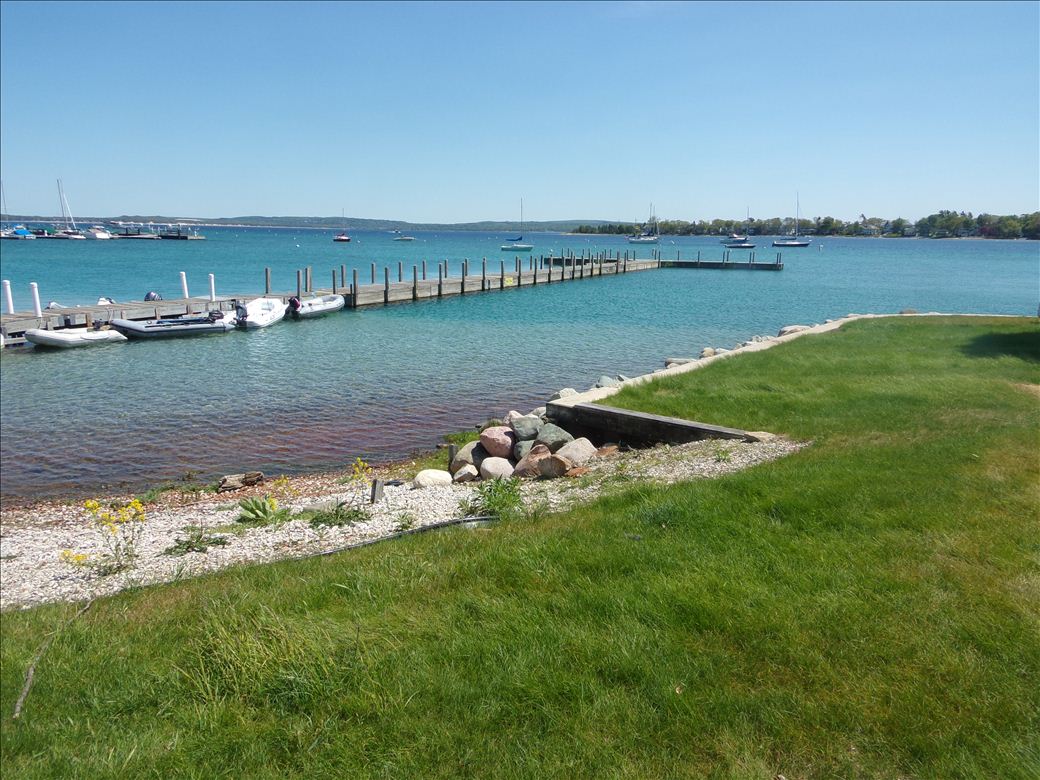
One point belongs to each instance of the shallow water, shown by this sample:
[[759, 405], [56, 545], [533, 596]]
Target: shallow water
[[382, 382]]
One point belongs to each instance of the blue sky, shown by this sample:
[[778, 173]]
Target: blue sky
[[451, 112]]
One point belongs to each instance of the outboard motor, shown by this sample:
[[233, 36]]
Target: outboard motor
[[241, 313], [96, 324], [153, 296], [216, 316], [294, 307]]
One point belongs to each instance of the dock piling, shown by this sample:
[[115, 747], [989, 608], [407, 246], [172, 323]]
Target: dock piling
[[8, 300], [483, 274], [267, 281], [334, 281], [342, 276], [440, 280], [184, 286], [373, 273], [212, 288], [299, 283], [354, 289], [386, 284], [400, 271], [415, 282], [35, 290], [424, 270]]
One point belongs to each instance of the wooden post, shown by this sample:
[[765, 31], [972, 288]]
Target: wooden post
[[267, 281], [415, 282], [373, 273], [453, 450], [342, 276], [310, 278], [447, 272], [377, 491], [386, 284], [299, 283], [502, 278], [440, 280], [465, 273], [483, 274], [333, 281], [424, 270], [355, 288], [400, 271]]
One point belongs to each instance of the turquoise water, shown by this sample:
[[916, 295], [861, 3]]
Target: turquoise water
[[382, 382]]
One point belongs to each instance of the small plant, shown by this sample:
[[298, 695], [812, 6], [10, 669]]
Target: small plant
[[198, 540], [498, 498], [283, 487], [343, 514], [118, 527], [722, 455], [354, 508], [406, 521], [261, 511]]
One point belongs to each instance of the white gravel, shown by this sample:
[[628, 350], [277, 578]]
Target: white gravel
[[32, 538]]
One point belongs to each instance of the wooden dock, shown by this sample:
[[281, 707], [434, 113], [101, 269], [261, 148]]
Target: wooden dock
[[381, 287]]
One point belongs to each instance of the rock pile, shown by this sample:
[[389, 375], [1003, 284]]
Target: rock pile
[[526, 446]]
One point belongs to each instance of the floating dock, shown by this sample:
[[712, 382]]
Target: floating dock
[[381, 287]]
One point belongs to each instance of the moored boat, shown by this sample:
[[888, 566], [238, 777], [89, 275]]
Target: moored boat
[[259, 312], [794, 240], [404, 238], [97, 233], [214, 322], [650, 234], [517, 244], [314, 307], [341, 238], [72, 337]]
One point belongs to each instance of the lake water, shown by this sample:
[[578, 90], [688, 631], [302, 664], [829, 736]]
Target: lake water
[[385, 381]]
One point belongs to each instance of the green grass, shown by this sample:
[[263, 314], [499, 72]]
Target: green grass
[[868, 607]]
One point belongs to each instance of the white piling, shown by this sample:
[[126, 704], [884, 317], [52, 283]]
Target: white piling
[[184, 284], [212, 288], [35, 290], [8, 300]]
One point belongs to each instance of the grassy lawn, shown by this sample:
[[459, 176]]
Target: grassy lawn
[[869, 607]]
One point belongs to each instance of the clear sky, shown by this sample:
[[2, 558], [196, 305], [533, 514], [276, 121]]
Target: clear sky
[[444, 112]]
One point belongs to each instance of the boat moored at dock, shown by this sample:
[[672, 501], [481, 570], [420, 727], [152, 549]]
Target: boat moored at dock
[[260, 312], [69, 338], [306, 308], [214, 322]]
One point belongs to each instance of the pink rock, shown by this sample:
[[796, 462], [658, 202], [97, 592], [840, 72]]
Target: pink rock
[[498, 441], [554, 466], [528, 467]]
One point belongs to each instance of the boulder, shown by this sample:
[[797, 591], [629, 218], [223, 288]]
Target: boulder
[[674, 361], [472, 454], [622, 378], [521, 448], [526, 428], [467, 473], [511, 415], [430, 477], [607, 381], [564, 393], [528, 466], [721, 351], [554, 466], [708, 352], [496, 468], [539, 412], [498, 441], [239, 481], [789, 329], [578, 452], [553, 436]]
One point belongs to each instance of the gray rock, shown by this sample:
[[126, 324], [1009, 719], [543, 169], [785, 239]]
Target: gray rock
[[554, 466], [708, 352], [539, 412], [511, 415], [430, 477], [669, 362], [578, 452], [622, 378], [553, 437], [607, 381], [789, 329], [528, 466], [496, 468], [564, 393], [521, 449], [467, 473], [526, 428], [472, 453]]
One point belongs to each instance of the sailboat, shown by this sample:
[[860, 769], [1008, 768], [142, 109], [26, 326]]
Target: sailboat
[[70, 230], [735, 241], [794, 240], [518, 244], [342, 238], [649, 234]]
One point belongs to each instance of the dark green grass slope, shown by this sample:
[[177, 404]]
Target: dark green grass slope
[[865, 608]]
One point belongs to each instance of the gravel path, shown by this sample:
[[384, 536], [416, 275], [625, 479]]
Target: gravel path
[[33, 538]]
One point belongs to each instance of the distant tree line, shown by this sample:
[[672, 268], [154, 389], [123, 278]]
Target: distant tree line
[[944, 224]]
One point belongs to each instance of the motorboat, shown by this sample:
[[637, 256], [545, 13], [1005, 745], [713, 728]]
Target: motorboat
[[18, 232], [739, 245], [214, 322], [97, 233], [341, 238], [72, 337], [314, 307], [404, 238], [737, 241], [259, 312]]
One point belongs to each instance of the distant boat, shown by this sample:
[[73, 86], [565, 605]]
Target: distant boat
[[794, 240], [70, 230], [97, 233], [650, 234], [18, 233], [342, 238], [517, 244], [737, 241], [404, 238], [181, 232]]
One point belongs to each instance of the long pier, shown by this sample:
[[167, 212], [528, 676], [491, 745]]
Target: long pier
[[381, 287]]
